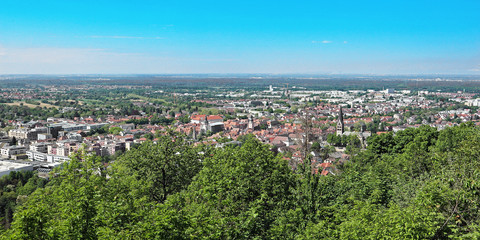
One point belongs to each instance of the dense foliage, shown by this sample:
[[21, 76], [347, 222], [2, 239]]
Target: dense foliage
[[14, 188], [416, 184]]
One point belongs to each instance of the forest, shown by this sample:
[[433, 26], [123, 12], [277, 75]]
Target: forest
[[420, 183]]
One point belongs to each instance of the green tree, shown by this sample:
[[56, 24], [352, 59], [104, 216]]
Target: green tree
[[13, 141], [163, 168], [115, 130], [66, 208], [239, 193], [315, 147]]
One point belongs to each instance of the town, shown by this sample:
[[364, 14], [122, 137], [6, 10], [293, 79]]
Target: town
[[327, 125]]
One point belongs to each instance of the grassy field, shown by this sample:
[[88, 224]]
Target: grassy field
[[134, 97], [79, 102], [32, 105]]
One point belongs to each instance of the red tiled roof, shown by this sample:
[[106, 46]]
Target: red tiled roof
[[202, 117], [325, 165]]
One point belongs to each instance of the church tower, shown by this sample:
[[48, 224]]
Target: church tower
[[204, 127], [250, 122], [340, 124], [194, 133]]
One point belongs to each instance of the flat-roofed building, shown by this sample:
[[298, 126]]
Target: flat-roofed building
[[45, 157], [44, 136], [63, 151], [19, 133], [7, 167], [36, 156], [52, 150], [39, 147], [25, 133], [4, 138], [9, 151], [95, 125]]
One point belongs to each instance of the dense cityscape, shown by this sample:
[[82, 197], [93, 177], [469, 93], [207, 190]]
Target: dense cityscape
[[275, 115]]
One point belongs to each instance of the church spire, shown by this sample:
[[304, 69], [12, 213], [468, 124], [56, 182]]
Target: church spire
[[250, 122], [205, 126], [340, 124], [340, 115], [194, 133]]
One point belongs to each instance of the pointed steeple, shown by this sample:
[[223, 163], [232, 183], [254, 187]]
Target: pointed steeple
[[340, 124], [250, 122], [205, 126], [340, 114], [194, 133]]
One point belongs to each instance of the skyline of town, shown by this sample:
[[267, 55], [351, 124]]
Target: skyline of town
[[272, 114]]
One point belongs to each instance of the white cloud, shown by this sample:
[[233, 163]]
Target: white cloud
[[475, 69], [345, 42]]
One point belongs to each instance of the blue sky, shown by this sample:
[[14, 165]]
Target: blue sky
[[365, 37]]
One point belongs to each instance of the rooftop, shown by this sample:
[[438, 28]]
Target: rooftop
[[6, 166]]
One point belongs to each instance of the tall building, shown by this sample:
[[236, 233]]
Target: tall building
[[194, 133], [340, 124], [205, 125], [250, 122]]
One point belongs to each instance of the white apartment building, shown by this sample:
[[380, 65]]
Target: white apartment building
[[9, 151], [63, 151], [44, 157], [40, 147]]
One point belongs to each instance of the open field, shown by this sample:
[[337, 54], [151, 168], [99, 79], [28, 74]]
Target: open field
[[32, 105], [134, 98], [79, 102]]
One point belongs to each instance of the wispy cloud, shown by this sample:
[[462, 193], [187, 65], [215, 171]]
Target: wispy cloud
[[48, 55], [74, 60], [324, 41], [92, 60], [477, 69], [345, 42], [126, 37]]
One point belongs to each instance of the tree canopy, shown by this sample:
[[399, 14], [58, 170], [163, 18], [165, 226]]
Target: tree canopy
[[415, 184]]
